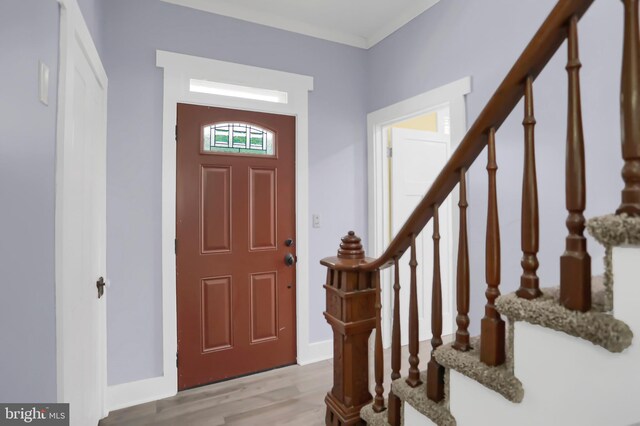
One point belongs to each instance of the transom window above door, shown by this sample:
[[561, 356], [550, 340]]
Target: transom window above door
[[238, 138]]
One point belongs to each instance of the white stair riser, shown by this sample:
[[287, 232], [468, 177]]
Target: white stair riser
[[414, 418], [567, 381]]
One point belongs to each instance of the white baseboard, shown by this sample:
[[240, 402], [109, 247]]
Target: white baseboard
[[139, 392], [142, 391], [316, 352]]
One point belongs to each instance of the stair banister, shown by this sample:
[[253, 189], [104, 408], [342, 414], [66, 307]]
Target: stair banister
[[353, 285]]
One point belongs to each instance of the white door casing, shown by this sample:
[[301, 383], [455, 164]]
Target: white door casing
[[80, 223], [451, 95], [179, 69], [418, 156]]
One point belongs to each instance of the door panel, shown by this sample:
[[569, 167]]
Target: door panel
[[262, 208], [235, 209], [216, 209], [264, 307], [216, 318]]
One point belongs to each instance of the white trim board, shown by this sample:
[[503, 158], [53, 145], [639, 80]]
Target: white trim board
[[363, 41], [138, 392], [317, 351], [178, 70], [451, 95]]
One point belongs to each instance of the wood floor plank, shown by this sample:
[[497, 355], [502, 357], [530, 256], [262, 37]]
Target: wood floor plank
[[286, 396]]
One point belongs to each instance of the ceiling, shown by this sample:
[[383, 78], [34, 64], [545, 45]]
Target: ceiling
[[359, 23]]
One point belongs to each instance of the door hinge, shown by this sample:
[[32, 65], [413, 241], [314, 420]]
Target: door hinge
[[175, 246], [176, 359], [176, 133], [389, 152]]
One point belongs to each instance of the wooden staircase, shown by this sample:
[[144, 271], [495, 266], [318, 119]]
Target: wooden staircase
[[353, 280]]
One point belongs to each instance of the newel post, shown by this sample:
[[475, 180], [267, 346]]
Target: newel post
[[351, 298]]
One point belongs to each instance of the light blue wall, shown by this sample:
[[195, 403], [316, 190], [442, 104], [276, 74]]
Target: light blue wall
[[337, 113], [483, 39], [28, 34]]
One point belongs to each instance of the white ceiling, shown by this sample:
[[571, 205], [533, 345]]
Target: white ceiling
[[359, 23]]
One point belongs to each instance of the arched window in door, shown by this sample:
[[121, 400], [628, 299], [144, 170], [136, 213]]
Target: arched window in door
[[238, 138]]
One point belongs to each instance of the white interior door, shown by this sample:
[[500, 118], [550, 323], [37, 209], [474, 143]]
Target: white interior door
[[80, 228], [417, 158]]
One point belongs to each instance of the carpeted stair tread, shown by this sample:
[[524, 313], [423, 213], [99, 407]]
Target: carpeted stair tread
[[615, 230], [597, 327], [437, 412], [372, 418], [499, 379], [611, 231]]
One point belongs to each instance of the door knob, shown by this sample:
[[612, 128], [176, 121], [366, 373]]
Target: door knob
[[289, 259], [100, 286], [288, 242]]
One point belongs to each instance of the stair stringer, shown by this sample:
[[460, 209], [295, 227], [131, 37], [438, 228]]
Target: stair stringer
[[567, 380]]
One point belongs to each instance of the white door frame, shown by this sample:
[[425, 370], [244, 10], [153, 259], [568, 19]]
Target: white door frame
[[178, 70], [451, 95], [73, 26]]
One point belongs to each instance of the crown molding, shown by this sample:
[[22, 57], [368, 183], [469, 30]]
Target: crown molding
[[243, 13]]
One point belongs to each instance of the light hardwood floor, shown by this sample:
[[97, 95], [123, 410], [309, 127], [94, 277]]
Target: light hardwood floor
[[287, 396]]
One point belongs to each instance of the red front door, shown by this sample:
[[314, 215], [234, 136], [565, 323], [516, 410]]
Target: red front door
[[235, 243]]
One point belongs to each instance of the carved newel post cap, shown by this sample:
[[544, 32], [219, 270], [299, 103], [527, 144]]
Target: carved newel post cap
[[350, 248]]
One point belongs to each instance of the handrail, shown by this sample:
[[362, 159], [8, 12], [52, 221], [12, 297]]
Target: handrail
[[536, 55]]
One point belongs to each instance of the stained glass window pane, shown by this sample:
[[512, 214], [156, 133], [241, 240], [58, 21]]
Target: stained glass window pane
[[238, 138]]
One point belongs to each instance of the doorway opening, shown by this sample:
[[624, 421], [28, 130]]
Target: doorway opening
[[417, 149], [408, 144]]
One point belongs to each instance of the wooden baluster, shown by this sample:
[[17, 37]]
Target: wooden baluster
[[435, 372], [378, 400], [630, 110], [529, 283], [492, 351], [575, 263], [394, 401], [462, 285], [414, 374]]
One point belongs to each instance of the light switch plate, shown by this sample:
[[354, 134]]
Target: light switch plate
[[315, 219], [44, 83]]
